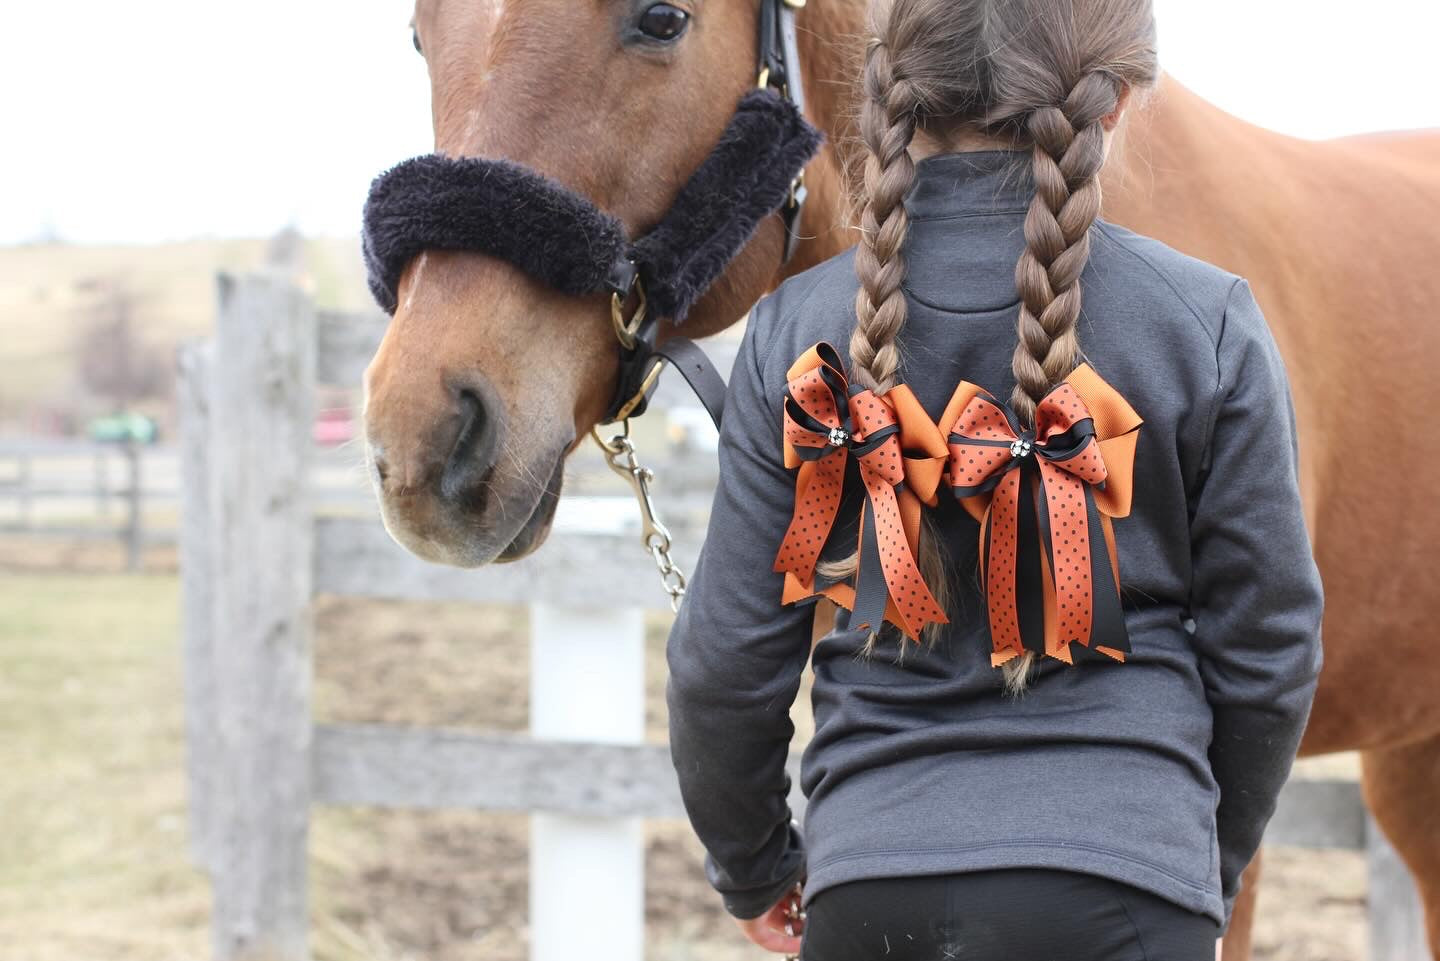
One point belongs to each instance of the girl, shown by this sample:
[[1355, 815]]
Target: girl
[[1081, 634]]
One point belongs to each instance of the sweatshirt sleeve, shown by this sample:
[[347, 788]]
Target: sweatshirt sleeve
[[1256, 595], [736, 655]]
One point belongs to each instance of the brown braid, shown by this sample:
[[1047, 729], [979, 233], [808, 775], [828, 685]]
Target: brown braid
[[1068, 153], [887, 124]]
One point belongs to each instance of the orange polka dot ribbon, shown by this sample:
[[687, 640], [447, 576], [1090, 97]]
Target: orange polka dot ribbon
[[1045, 499], [826, 421]]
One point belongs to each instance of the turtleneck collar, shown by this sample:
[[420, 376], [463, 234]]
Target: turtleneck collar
[[967, 215], [979, 181]]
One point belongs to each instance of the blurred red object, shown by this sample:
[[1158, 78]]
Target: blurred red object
[[334, 426]]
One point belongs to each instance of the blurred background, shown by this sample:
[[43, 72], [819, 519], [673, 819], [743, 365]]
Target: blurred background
[[150, 144]]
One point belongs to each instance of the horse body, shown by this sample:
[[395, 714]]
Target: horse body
[[1326, 233]]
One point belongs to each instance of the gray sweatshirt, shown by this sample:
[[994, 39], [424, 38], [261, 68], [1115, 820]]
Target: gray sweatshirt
[[1160, 772]]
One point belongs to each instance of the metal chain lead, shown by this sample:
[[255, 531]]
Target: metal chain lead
[[620, 455]]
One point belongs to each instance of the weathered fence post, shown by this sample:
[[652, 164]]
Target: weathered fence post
[[587, 874], [134, 533], [102, 483], [1397, 921], [195, 364], [261, 414]]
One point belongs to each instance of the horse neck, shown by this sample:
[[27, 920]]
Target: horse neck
[[831, 42]]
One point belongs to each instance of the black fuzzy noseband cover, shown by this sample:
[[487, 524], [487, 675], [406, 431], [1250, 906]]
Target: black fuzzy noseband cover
[[505, 210]]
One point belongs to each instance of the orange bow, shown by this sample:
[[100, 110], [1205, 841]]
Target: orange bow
[[900, 455], [1039, 496]]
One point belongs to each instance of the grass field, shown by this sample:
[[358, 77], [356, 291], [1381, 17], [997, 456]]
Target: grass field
[[93, 846], [92, 843]]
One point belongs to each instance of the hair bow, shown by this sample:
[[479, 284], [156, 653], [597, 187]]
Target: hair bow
[[892, 439], [1040, 496]]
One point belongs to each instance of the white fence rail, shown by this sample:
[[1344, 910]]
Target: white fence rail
[[253, 556]]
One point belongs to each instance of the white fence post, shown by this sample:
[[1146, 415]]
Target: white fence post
[[1397, 920], [587, 874], [261, 535], [25, 472]]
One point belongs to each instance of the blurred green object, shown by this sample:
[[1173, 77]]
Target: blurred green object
[[122, 428]]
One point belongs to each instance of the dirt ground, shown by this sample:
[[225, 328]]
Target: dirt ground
[[92, 851], [1312, 907]]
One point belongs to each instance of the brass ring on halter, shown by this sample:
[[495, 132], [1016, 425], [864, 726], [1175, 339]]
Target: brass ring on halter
[[608, 446], [625, 330], [652, 375], [796, 186]]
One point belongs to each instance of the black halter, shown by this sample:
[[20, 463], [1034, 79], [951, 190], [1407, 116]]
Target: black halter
[[560, 238]]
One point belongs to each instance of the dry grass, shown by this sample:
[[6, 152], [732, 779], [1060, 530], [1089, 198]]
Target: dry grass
[[92, 844], [93, 859]]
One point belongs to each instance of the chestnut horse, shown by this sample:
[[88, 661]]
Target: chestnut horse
[[486, 380]]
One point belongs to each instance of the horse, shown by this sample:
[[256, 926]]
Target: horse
[[486, 380]]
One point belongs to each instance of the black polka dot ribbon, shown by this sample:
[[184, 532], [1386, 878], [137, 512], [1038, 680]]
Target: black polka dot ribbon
[[1046, 567], [826, 421]]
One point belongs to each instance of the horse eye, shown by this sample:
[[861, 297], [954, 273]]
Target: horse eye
[[664, 21], [415, 39]]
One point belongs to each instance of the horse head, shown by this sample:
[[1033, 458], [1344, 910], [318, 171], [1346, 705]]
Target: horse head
[[486, 379]]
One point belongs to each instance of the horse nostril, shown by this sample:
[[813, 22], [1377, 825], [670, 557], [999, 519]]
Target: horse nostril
[[378, 461], [478, 443]]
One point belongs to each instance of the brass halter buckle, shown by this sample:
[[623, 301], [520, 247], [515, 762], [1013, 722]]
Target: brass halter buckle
[[628, 333]]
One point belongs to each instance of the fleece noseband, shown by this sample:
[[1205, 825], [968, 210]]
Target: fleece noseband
[[563, 240], [560, 238]]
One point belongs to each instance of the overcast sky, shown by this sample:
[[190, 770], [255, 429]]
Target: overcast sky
[[151, 120]]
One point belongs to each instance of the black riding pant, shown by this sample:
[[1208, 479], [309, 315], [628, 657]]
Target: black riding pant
[[1014, 914]]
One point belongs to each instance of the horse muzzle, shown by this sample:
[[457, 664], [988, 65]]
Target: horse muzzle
[[452, 495]]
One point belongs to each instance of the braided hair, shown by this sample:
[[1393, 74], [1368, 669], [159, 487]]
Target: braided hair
[[1068, 153], [887, 125]]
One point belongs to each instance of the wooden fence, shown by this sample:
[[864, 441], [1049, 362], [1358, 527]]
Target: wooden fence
[[72, 489], [254, 555]]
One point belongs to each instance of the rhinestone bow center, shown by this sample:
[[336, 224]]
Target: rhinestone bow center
[[1021, 447], [838, 437]]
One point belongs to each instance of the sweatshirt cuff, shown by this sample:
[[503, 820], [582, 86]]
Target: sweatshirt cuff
[[751, 904], [754, 900]]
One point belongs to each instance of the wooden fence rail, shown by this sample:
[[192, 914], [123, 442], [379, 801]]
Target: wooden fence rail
[[79, 474], [253, 556]]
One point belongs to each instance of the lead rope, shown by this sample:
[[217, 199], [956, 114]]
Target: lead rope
[[620, 455]]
